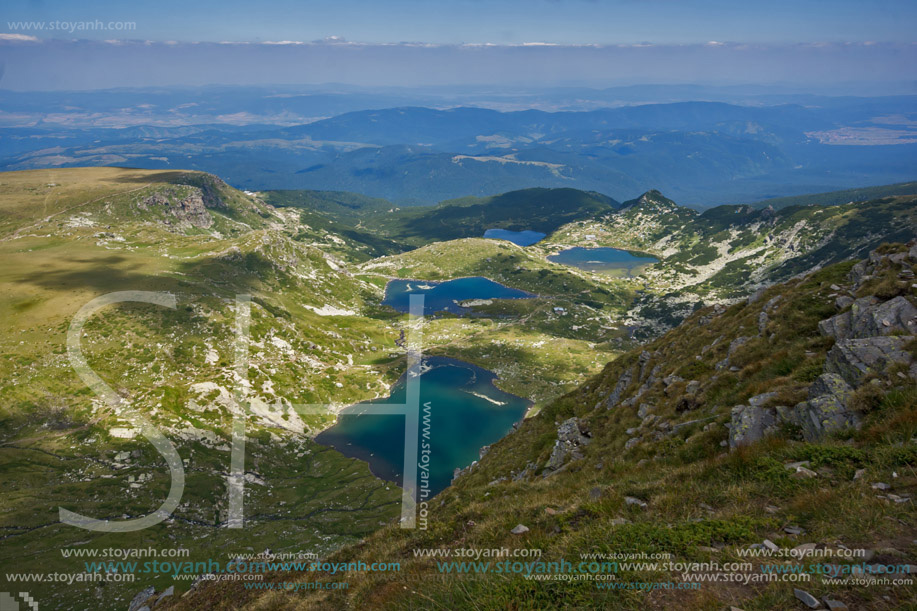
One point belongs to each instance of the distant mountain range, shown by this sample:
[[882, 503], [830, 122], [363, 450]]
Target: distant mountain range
[[701, 153]]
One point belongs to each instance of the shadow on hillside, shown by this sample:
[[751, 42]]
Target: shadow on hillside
[[229, 275]]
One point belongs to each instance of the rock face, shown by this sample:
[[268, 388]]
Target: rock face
[[854, 359], [826, 410], [865, 318], [750, 424], [188, 211], [141, 597], [572, 436], [618, 391]]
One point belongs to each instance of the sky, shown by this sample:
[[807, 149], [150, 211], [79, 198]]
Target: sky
[[61, 44]]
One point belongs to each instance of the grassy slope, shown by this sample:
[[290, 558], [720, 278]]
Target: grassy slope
[[85, 236], [703, 502], [70, 235], [727, 251]]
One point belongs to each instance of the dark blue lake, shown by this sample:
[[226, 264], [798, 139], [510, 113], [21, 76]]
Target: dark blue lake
[[442, 296], [601, 259], [522, 238], [466, 413]]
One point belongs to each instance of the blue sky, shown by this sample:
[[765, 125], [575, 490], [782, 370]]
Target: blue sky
[[487, 21], [595, 43]]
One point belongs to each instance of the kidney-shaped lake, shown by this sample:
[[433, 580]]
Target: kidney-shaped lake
[[446, 296], [461, 411]]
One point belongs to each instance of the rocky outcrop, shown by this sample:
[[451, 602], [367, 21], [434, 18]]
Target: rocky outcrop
[[618, 391], [855, 359], [867, 318], [827, 409], [188, 211], [750, 424], [733, 346], [572, 437]]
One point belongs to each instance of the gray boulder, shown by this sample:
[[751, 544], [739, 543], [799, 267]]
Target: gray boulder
[[750, 424], [866, 318], [759, 400], [824, 415], [829, 384], [141, 598], [854, 359], [572, 436]]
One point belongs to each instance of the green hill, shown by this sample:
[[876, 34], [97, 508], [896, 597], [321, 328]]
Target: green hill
[[784, 422]]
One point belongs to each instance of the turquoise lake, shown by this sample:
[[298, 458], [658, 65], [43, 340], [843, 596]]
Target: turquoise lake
[[466, 413], [601, 259], [442, 296], [521, 238]]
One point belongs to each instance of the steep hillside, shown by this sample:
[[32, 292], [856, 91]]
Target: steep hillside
[[784, 422], [69, 236], [729, 251]]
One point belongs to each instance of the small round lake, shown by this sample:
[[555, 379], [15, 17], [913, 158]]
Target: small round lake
[[461, 411], [446, 296], [601, 259], [521, 238]]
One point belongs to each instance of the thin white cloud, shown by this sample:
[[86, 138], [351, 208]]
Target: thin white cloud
[[18, 37]]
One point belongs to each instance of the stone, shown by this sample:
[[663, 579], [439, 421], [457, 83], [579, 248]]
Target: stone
[[672, 379], [881, 486], [859, 474], [762, 322], [770, 545], [760, 400], [692, 387], [844, 301], [834, 605], [620, 386], [141, 598], [595, 493], [630, 500], [773, 301], [855, 359], [807, 599], [572, 436], [803, 473], [793, 530], [631, 442], [618, 521], [550, 511], [792, 466], [823, 415], [750, 424], [520, 529], [866, 318]]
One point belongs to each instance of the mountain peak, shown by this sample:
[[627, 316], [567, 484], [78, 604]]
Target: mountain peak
[[651, 200]]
